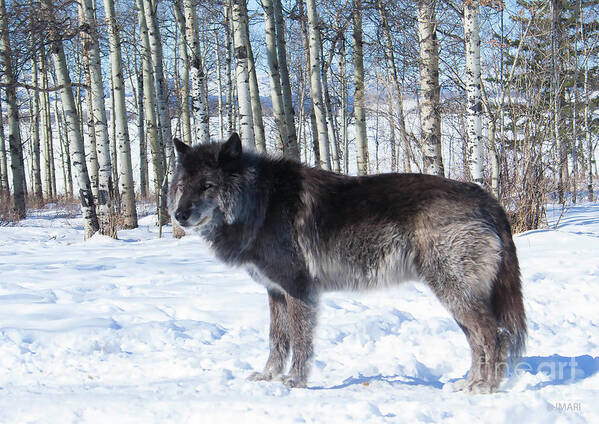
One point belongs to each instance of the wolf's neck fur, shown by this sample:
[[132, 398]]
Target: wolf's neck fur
[[261, 198]]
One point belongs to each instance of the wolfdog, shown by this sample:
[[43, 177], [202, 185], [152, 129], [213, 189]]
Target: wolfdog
[[301, 231]]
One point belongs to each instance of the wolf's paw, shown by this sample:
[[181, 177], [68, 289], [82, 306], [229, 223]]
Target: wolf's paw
[[260, 376], [473, 387], [293, 381]]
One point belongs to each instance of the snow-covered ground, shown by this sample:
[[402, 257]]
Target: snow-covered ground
[[150, 330]]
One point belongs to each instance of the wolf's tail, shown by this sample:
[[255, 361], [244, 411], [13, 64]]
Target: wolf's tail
[[507, 301]]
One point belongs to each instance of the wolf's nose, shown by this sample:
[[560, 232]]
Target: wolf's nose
[[181, 215]]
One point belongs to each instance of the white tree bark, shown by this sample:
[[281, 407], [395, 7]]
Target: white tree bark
[[4, 187], [292, 147], [104, 205], [35, 132], [359, 112], [14, 133], [240, 43], [587, 112], [229, 66], [316, 85], [161, 89], [556, 41], [429, 87], [473, 91], [46, 125], [151, 120], [260, 138], [390, 58], [88, 209], [119, 115], [185, 112], [198, 76], [219, 79], [275, 78]]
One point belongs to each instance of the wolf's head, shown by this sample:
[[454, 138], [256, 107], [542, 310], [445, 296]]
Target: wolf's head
[[208, 183]]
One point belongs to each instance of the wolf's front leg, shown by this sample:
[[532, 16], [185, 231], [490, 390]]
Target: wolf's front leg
[[279, 338], [302, 320]]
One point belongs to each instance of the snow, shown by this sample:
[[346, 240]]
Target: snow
[[143, 329]]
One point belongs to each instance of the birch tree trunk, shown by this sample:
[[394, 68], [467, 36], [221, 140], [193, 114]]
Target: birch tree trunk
[[390, 58], [91, 132], [429, 87], [49, 181], [556, 36], [291, 144], [4, 187], [255, 93], [198, 77], [119, 115], [328, 110], [104, 206], [275, 78], [149, 90], [61, 144], [67, 150], [144, 184], [35, 133], [359, 112], [185, 112], [343, 108], [473, 90], [88, 210], [316, 85], [14, 135], [587, 112], [229, 66], [240, 43], [160, 87], [219, 78]]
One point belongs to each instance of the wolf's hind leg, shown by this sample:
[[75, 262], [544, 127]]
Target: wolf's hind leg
[[481, 329], [279, 338], [302, 320]]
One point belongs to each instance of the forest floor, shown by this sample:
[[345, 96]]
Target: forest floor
[[152, 330]]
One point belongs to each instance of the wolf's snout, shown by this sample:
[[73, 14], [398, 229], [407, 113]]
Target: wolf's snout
[[182, 215]]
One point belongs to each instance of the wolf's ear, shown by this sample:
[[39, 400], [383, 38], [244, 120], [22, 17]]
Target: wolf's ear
[[181, 147], [231, 150]]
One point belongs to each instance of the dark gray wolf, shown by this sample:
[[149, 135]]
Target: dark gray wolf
[[301, 231]]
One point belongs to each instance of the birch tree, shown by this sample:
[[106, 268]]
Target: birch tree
[[161, 90], [186, 132], [240, 43], [557, 91], [14, 133], [316, 85], [359, 106], [104, 206], [198, 76], [587, 112], [429, 87], [149, 90], [88, 210], [392, 67], [260, 138], [275, 78], [473, 90], [35, 131], [4, 187], [119, 116], [292, 149]]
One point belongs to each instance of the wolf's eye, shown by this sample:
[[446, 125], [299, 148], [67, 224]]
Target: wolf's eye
[[206, 186]]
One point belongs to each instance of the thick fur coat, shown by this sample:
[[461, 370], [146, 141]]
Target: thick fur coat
[[301, 231]]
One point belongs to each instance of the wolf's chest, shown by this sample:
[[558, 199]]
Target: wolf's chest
[[259, 277]]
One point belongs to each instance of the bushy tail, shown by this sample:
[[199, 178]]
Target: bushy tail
[[507, 301]]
